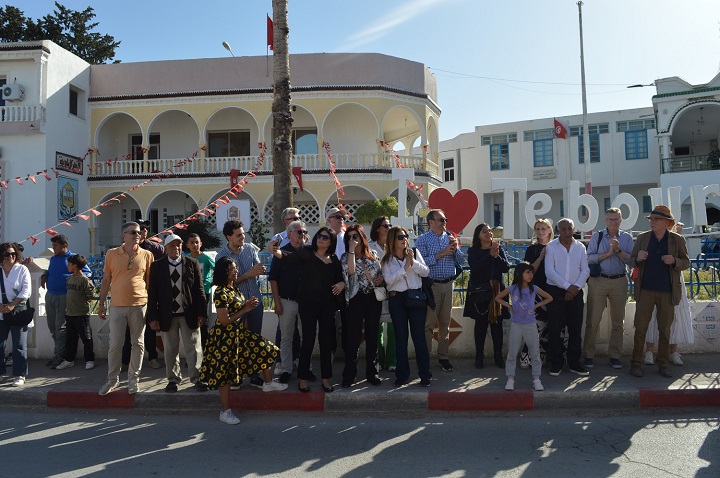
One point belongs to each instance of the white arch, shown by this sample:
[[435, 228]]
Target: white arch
[[272, 195], [165, 191], [268, 121], [321, 133], [418, 119], [146, 134], [215, 113], [687, 107], [99, 128]]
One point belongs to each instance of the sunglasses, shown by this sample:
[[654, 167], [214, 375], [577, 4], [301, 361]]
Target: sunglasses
[[339, 218], [301, 231], [442, 219], [324, 237], [10, 254], [133, 232], [386, 226], [143, 228], [354, 236], [401, 237]]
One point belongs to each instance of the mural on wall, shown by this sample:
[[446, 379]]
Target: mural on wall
[[67, 199], [234, 210]]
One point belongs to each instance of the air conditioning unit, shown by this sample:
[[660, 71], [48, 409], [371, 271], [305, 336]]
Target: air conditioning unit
[[12, 92]]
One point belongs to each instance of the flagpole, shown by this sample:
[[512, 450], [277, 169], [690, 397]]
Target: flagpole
[[585, 132]]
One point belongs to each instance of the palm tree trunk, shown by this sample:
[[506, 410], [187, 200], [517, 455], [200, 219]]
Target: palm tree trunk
[[282, 116]]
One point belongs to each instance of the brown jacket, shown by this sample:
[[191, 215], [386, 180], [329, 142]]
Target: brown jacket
[[676, 248]]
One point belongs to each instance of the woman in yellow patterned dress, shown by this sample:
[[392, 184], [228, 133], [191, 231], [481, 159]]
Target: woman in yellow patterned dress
[[233, 351]]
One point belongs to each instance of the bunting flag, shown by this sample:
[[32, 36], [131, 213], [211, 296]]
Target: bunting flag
[[297, 172]]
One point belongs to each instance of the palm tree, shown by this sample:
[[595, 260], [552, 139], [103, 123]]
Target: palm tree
[[282, 116]]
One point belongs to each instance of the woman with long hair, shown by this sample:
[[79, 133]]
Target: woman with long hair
[[535, 255], [232, 350], [361, 271], [16, 282], [386, 332], [320, 290], [488, 263], [403, 269]]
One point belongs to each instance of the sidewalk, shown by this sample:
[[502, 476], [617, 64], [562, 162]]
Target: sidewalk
[[465, 389]]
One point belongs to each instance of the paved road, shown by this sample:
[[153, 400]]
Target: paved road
[[661, 443]]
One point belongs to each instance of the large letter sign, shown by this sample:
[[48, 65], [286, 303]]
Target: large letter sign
[[403, 175], [508, 186], [574, 203]]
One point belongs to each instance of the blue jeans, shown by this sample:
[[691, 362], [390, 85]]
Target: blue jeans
[[19, 339], [413, 321]]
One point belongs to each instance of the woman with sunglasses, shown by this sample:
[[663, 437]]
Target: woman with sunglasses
[[320, 290], [361, 271], [403, 269], [386, 332], [16, 281]]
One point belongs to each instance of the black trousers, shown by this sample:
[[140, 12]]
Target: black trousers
[[78, 327], [562, 313], [480, 332], [363, 309], [320, 317]]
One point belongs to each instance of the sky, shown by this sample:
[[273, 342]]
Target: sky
[[495, 61]]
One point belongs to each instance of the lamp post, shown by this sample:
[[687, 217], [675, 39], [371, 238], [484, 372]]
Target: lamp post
[[227, 46]]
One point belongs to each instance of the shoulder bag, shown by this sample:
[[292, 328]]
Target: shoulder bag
[[595, 269], [21, 315], [380, 291]]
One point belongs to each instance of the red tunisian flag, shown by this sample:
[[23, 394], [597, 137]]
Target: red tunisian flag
[[560, 129], [297, 172], [270, 35], [234, 174]]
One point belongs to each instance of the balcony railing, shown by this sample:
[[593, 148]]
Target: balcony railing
[[685, 164], [308, 162], [18, 113]]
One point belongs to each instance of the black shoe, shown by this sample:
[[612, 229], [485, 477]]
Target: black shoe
[[479, 363], [346, 384], [636, 371], [171, 387], [665, 372], [303, 390], [329, 389], [579, 369], [311, 377], [201, 386], [554, 371], [257, 382], [424, 382], [374, 380], [284, 378], [446, 365], [400, 383]]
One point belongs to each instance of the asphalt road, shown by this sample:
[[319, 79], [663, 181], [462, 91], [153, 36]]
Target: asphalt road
[[655, 443]]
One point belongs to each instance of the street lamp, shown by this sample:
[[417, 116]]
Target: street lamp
[[227, 46], [640, 85]]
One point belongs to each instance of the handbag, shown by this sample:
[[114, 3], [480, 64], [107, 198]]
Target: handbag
[[427, 284], [21, 315], [480, 292], [595, 269], [415, 299], [380, 291]]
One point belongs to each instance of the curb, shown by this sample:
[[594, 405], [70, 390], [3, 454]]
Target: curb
[[650, 398], [480, 401]]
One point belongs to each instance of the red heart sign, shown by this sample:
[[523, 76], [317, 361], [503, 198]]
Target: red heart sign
[[459, 209]]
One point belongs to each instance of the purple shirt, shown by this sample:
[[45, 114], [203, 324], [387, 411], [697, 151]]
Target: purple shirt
[[523, 304]]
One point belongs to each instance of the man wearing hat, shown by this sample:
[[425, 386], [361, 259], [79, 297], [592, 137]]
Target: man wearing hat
[[660, 256], [177, 308], [336, 222]]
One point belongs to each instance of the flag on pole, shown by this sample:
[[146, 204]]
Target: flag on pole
[[270, 36], [297, 172], [560, 129]]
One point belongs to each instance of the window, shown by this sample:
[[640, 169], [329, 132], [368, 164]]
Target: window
[[542, 153], [222, 144], [76, 102], [635, 125], [498, 139], [598, 128], [539, 134], [153, 147], [636, 144], [499, 156], [647, 204], [594, 148], [448, 169], [304, 141]]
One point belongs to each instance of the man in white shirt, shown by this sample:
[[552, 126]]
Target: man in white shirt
[[566, 268], [289, 215]]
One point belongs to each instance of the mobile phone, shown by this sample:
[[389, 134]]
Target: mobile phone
[[278, 238]]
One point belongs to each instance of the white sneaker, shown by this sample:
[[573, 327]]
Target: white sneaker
[[278, 370], [229, 417], [537, 385], [675, 359], [510, 385], [274, 386], [19, 381], [89, 365], [133, 387], [65, 364], [649, 360], [108, 387]]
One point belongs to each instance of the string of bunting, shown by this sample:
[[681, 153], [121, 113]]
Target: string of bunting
[[339, 191], [398, 164]]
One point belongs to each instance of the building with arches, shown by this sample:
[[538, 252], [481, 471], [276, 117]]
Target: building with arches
[[162, 137]]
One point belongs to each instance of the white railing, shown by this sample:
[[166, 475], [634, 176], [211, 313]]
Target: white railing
[[308, 162], [18, 113]]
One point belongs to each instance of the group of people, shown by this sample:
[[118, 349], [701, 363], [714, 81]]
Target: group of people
[[373, 287], [547, 302]]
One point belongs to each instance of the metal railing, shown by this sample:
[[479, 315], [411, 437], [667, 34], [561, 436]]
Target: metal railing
[[308, 162], [684, 164]]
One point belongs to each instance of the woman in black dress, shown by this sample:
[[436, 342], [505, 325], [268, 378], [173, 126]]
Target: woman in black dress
[[488, 263], [535, 255], [321, 289], [233, 351]]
